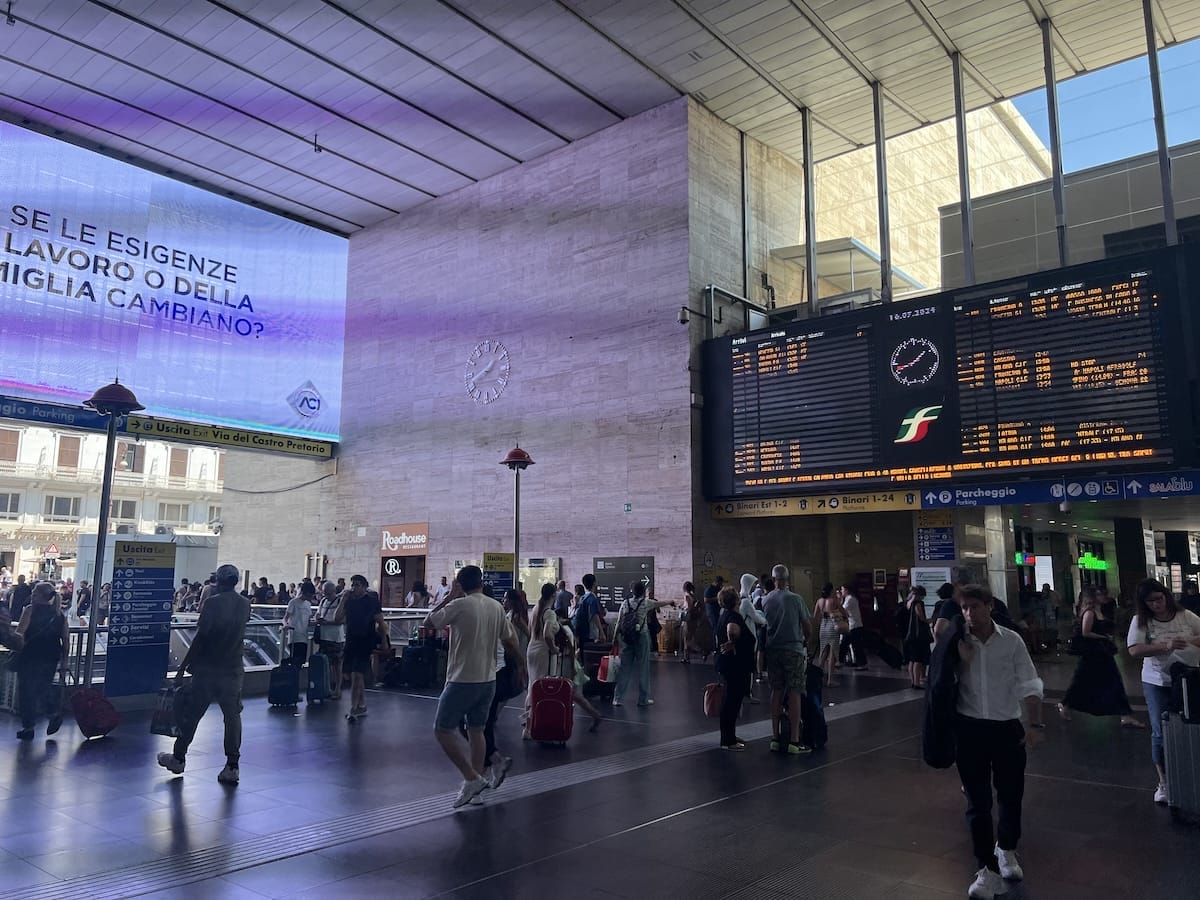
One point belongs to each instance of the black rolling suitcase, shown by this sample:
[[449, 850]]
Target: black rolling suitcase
[[814, 732], [284, 688], [418, 665], [320, 688]]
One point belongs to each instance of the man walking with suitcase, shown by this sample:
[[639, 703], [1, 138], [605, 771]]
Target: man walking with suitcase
[[477, 624], [215, 661]]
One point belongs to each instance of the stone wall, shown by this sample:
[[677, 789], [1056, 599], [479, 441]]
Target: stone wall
[[577, 264]]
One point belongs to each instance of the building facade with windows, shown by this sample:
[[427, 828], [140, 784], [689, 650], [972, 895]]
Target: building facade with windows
[[50, 493]]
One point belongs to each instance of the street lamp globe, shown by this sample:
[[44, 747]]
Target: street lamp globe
[[517, 460], [113, 400]]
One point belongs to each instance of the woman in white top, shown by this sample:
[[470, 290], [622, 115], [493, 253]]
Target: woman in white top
[[1162, 634], [548, 638], [298, 615], [853, 648]]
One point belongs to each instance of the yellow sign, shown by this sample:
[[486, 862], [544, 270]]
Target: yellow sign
[[497, 562], [144, 554], [169, 430], [935, 518], [817, 505]]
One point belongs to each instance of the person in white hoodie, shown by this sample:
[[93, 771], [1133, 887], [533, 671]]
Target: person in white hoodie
[[754, 618], [297, 618]]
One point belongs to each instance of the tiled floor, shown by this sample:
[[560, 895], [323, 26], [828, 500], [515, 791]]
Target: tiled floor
[[642, 809]]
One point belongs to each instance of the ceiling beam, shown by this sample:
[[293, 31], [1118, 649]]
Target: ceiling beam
[[1038, 11], [177, 85], [855, 63], [520, 51], [115, 10], [934, 27], [762, 73], [350, 73], [445, 70], [141, 163]]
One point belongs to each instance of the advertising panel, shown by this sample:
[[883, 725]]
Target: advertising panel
[[209, 309]]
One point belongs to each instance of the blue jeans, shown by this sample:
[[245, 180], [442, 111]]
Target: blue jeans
[[1158, 700], [635, 661]]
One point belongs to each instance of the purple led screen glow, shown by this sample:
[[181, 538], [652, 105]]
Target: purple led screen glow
[[208, 309]]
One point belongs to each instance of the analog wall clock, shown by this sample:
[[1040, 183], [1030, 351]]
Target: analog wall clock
[[487, 371], [915, 361]]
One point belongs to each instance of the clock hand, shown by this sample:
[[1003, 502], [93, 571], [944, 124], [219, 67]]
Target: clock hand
[[486, 369], [912, 363]]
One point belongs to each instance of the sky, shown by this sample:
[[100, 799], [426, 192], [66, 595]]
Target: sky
[[1108, 115]]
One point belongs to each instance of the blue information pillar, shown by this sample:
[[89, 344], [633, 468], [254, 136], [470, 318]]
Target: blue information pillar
[[139, 629]]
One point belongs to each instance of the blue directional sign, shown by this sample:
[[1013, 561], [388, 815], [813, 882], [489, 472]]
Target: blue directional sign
[[996, 494], [936, 544], [139, 630], [1162, 484], [55, 414]]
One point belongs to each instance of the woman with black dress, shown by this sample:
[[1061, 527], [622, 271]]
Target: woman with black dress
[[1096, 688], [735, 664], [917, 639]]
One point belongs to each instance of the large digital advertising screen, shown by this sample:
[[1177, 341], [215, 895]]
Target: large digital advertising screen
[[208, 309], [1079, 369]]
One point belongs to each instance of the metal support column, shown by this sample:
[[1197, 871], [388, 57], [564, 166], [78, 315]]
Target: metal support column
[[1160, 127], [885, 231], [1060, 203], [745, 218], [810, 212], [964, 173]]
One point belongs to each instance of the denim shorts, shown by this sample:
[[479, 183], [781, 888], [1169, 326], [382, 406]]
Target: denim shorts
[[464, 700]]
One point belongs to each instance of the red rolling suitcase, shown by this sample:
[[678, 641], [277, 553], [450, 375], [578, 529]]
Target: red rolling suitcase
[[94, 715], [551, 710]]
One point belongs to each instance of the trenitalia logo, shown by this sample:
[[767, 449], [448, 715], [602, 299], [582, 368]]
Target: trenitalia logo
[[915, 425]]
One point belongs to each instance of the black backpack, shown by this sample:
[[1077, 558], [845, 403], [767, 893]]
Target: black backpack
[[628, 626]]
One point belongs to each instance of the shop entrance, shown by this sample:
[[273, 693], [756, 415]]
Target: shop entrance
[[397, 576]]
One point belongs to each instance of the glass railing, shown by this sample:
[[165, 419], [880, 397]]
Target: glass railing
[[262, 649]]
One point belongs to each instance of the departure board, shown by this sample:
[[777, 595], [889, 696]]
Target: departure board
[[1063, 370]]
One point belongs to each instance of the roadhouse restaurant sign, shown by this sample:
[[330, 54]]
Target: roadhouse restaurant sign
[[404, 540]]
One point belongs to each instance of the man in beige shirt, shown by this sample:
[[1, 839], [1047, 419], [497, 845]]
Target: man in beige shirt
[[477, 623]]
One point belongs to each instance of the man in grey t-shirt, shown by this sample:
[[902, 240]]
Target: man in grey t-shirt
[[786, 657]]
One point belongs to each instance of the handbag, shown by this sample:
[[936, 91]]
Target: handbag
[[714, 696], [172, 699], [609, 666]]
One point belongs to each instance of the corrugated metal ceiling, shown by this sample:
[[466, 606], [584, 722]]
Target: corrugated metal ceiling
[[413, 99]]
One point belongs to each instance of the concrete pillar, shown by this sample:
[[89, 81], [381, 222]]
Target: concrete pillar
[[1132, 563], [1000, 546]]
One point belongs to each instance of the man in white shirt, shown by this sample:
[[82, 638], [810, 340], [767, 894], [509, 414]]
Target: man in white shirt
[[442, 591], [995, 678], [478, 624]]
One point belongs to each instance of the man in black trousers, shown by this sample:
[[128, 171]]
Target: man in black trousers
[[996, 678]]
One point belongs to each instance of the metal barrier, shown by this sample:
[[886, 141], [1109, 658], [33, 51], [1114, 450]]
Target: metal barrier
[[262, 649]]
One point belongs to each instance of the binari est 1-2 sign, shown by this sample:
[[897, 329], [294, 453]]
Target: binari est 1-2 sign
[[1074, 370]]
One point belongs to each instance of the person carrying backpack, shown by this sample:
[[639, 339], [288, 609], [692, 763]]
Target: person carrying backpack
[[633, 640]]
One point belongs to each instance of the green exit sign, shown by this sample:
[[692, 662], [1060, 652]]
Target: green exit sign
[[1092, 563]]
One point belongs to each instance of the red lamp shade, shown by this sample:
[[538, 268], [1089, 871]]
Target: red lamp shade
[[517, 459], [113, 400]]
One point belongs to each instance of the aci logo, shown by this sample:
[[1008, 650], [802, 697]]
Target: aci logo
[[915, 425], [306, 400]]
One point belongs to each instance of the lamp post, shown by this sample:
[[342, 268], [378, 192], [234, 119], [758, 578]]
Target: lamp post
[[517, 460], [113, 400]]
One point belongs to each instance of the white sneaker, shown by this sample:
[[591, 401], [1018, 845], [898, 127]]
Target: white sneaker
[[500, 772], [1160, 793], [468, 791], [1010, 868], [987, 884], [170, 763]]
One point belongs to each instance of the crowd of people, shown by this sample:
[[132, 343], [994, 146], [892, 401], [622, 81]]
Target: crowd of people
[[758, 631]]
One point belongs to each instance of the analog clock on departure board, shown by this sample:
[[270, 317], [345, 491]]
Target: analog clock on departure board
[[487, 371], [915, 361]]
